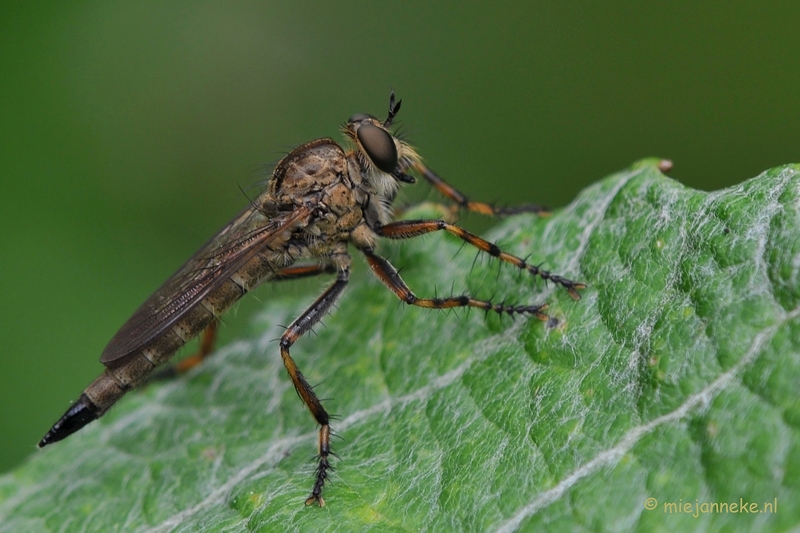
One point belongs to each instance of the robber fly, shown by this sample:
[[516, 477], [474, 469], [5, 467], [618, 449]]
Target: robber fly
[[320, 200]]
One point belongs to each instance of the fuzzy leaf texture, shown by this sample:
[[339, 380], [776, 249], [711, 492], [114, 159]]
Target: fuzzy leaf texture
[[674, 378]]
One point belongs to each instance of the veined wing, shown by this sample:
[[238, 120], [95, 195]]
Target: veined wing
[[221, 257]]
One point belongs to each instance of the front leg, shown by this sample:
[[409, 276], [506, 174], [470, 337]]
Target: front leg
[[461, 199]]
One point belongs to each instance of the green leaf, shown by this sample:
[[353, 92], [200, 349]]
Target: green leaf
[[674, 378]]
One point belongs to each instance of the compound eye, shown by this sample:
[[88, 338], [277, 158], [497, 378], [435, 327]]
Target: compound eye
[[359, 117], [379, 146]]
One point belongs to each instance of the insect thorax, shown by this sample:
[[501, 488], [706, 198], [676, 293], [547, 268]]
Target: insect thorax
[[342, 189]]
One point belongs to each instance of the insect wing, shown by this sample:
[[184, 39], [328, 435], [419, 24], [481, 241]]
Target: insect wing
[[221, 257]]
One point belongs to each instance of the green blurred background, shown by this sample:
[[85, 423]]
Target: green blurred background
[[128, 128]]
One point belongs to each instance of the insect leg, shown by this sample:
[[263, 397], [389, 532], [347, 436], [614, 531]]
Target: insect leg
[[301, 325], [389, 276], [479, 207], [207, 342], [206, 347], [405, 229], [304, 271], [210, 333]]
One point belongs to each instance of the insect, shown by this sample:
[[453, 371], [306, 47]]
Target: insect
[[319, 200]]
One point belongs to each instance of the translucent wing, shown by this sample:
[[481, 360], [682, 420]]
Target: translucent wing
[[221, 257]]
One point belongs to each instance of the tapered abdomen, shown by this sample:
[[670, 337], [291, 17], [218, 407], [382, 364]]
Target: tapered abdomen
[[129, 372]]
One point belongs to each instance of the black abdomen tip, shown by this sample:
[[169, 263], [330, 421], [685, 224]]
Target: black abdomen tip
[[78, 415]]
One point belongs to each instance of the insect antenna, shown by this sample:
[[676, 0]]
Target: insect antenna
[[394, 107]]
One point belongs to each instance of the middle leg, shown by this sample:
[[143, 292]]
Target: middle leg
[[389, 276]]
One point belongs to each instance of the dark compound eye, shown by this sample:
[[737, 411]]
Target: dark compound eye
[[359, 117], [379, 146]]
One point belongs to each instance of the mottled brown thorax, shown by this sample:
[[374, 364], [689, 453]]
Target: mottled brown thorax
[[317, 173]]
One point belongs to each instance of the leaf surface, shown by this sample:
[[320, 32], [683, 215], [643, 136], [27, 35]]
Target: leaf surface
[[674, 378]]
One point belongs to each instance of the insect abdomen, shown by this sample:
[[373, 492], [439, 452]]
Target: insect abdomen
[[134, 370]]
